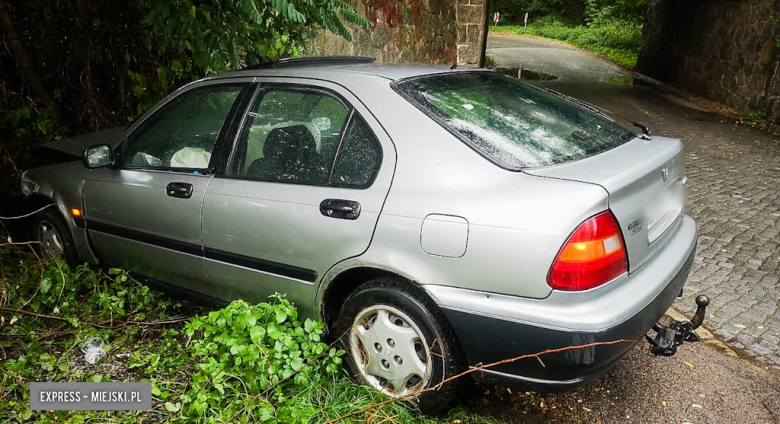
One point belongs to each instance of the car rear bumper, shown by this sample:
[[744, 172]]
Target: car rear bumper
[[488, 335]]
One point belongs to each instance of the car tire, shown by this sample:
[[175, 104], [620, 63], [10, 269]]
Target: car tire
[[54, 236], [394, 335]]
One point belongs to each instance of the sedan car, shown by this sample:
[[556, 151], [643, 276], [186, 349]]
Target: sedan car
[[436, 219]]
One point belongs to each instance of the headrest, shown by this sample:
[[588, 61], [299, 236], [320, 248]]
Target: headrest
[[296, 138]]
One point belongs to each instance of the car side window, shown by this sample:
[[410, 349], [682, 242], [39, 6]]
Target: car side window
[[290, 135], [182, 134], [359, 156]]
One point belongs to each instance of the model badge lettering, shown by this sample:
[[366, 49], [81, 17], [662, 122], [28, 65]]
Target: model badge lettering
[[635, 227]]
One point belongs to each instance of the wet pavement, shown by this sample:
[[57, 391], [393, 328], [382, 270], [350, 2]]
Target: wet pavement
[[698, 385], [733, 189]]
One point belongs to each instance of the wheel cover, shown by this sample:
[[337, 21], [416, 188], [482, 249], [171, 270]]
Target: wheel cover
[[390, 351], [51, 242]]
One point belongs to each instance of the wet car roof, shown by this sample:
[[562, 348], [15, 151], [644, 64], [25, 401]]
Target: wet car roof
[[391, 72]]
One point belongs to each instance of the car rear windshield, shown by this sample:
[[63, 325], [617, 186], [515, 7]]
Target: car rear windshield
[[512, 123]]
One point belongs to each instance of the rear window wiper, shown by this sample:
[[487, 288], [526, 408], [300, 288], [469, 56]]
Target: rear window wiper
[[646, 134]]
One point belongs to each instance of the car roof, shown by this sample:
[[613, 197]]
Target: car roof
[[338, 72]]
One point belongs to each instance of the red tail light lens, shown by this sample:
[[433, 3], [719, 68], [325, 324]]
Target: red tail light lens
[[593, 255]]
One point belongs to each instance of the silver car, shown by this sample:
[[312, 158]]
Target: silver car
[[434, 218]]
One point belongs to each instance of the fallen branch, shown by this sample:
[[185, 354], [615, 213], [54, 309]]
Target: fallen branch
[[101, 325], [41, 335], [20, 243], [477, 368], [26, 215]]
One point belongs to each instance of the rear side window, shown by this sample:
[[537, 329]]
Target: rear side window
[[290, 136], [305, 135], [359, 156], [511, 123]]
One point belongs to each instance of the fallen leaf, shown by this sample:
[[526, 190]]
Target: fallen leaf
[[696, 405], [760, 327], [740, 326], [701, 395], [541, 404], [689, 365], [586, 409], [663, 403]]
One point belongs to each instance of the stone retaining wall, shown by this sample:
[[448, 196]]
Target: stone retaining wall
[[413, 31], [723, 49]]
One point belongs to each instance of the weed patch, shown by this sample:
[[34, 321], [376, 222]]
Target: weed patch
[[243, 363]]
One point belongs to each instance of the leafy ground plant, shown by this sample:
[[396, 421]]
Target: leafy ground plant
[[615, 39], [752, 115], [242, 363]]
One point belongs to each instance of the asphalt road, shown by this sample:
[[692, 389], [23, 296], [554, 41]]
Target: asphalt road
[[734, 195]]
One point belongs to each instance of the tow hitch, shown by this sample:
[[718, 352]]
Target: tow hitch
[[667, 338]]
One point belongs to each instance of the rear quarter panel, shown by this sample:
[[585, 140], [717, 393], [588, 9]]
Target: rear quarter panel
[[516, 222]]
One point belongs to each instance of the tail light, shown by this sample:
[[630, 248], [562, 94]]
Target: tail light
[[593, 255]]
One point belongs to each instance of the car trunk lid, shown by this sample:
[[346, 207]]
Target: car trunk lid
[[645, 181]]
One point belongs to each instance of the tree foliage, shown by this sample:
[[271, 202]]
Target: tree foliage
[[210, 36], [571, 12], [75, 66]]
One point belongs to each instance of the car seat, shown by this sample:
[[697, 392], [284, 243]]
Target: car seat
[[289, 155]]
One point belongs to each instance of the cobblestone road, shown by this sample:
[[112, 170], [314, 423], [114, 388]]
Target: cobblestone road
[[733, 191]]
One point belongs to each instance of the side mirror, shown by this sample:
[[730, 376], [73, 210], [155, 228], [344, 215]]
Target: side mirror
[[99, 156]]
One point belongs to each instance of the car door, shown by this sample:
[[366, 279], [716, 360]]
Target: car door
[[144, 213], [303, 190]]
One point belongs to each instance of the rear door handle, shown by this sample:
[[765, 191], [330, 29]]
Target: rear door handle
[[341, 209], [180, 190]]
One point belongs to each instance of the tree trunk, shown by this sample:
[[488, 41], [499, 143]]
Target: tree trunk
[[24, 61]]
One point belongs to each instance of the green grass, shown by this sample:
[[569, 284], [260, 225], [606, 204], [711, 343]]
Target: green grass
[[616, 40], [189, 353]]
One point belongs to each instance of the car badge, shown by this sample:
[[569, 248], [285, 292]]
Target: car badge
[[665, 173]]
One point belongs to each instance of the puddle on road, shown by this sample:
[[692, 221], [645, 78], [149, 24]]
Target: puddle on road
[[527, 74]]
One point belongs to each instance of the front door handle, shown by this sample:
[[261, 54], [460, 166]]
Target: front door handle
[[180, 190], [341, 209]]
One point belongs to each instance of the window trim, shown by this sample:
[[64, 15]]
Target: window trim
[[219, 143], [257, 96]]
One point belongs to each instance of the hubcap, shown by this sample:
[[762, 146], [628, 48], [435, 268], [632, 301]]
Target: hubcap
[[51, 244], [390, 351]]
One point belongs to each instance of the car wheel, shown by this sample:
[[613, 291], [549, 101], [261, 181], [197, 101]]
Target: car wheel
[[54, 237], [398, 342]]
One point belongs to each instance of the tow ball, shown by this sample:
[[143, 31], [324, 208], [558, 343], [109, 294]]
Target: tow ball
[[668, 338]]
